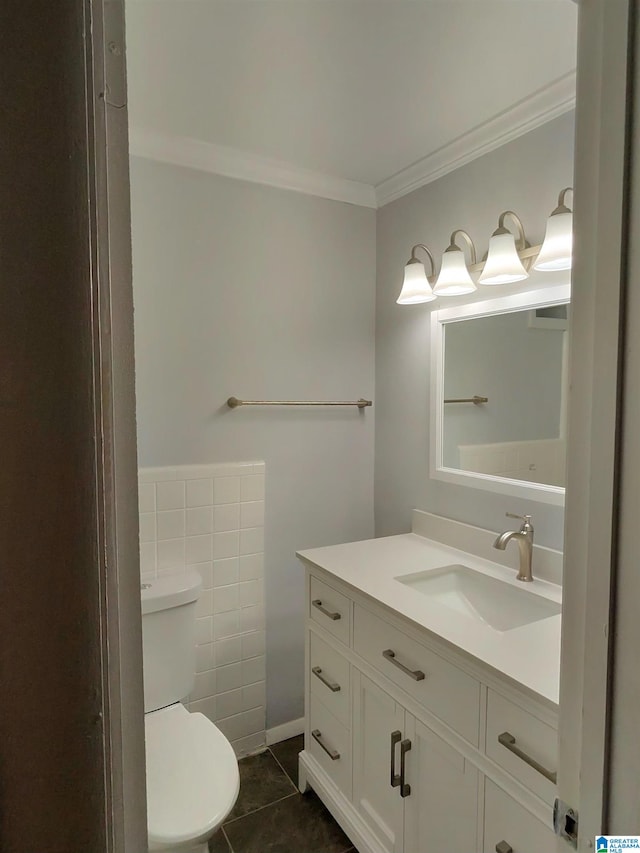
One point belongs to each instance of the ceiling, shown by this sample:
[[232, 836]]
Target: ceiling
[[353, 89]]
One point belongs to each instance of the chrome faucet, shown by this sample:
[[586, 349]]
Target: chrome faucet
[[524, 538]]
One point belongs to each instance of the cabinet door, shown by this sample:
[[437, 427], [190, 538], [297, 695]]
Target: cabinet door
[[441, 812], [376, 715]]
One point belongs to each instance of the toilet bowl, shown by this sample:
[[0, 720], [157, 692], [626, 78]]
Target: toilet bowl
[[192, 771], [192, 779]]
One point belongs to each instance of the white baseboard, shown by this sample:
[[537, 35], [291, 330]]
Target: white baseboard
[[286, 730]]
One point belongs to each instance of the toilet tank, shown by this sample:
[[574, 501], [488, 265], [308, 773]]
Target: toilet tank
[[169, 638]]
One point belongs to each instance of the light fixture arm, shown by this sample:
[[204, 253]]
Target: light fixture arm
[[414, 259], [521, 242], [453, 246], [562, 207]]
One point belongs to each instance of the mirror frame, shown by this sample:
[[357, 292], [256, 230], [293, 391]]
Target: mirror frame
[[551, 295]]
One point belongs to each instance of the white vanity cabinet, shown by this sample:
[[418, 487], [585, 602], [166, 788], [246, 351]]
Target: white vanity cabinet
[[413, 750]]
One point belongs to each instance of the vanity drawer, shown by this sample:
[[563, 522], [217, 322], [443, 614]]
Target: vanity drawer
[[442, 688], [330, 744], [330, 609], [509, 828], [329, 678], [527, 741]]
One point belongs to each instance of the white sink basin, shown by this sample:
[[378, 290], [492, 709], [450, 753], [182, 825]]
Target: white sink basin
[[482, 598]]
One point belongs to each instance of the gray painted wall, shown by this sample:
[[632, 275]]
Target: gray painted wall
[[517, 367], [525, 175], [250, 291]]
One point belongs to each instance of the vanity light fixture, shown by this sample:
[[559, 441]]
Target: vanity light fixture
[[454, 278], [555, 253], [416, 287], [503, 264]]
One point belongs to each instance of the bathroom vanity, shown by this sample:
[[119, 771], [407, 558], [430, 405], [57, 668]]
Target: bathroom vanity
[[432, 682]]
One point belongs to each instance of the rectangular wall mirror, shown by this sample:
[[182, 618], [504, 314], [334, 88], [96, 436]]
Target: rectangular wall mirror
[[499, 394]]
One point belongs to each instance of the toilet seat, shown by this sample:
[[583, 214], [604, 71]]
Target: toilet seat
[[192, 777]]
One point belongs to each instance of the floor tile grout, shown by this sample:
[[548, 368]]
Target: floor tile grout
[[293, 782], [261, 808]]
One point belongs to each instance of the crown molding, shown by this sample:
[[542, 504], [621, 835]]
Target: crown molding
[[544, 105], [233, 163]]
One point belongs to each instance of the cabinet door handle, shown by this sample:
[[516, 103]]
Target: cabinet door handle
[[396, 780], [316, 734], [507, 740], [405, 788], [333, 687], [416, 674], [318, 604], [504, 847]]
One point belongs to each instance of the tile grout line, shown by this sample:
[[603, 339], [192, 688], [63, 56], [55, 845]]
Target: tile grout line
[[229, 845], [255, 811], [275, 758]]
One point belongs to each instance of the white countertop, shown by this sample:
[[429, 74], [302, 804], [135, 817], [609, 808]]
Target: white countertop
[[528, 655]]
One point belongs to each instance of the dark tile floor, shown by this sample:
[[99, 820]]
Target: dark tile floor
[[272, 816]]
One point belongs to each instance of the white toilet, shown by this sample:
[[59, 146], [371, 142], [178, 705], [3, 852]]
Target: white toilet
[[192, 771]]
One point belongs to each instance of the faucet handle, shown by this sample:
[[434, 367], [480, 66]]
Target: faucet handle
[[526, 519]]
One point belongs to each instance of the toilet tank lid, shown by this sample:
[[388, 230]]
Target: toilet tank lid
[[170, 591]]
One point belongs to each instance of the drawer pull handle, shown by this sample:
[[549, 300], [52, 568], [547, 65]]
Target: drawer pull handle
[[405, 788], [334, 616], [316, 734], [507, 740], [504, 847], [333, 687], [396, 780], [416, 674]]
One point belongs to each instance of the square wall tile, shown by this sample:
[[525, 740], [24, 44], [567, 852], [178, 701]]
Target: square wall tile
[[252, 540], [254, 696], [251, 618], [226, 598], [226, 517], [251, 567], [252, 488], [226, 544], [147, 497], [170, 523], [205, 685], [253, 670], [226, 625], [148, 561], [199, 520], [253, 645], [251, 592], [170, 495], [205, 570], [230, 703], [228, 651], [229, 677], [249, 745], [170, 554], [226, 571], [199, 493], [147, 527], [198, 549], [252, 514], [226, 490]]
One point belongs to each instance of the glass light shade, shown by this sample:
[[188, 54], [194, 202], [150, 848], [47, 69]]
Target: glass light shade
[[555, 253], [454, 278], [503, 264], [415, 287]]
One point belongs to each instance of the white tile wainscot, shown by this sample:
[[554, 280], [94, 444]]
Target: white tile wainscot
[[423, 722], [211, 518]]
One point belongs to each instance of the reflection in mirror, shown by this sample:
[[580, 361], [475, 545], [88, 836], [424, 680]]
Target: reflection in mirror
[[518, 362]]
